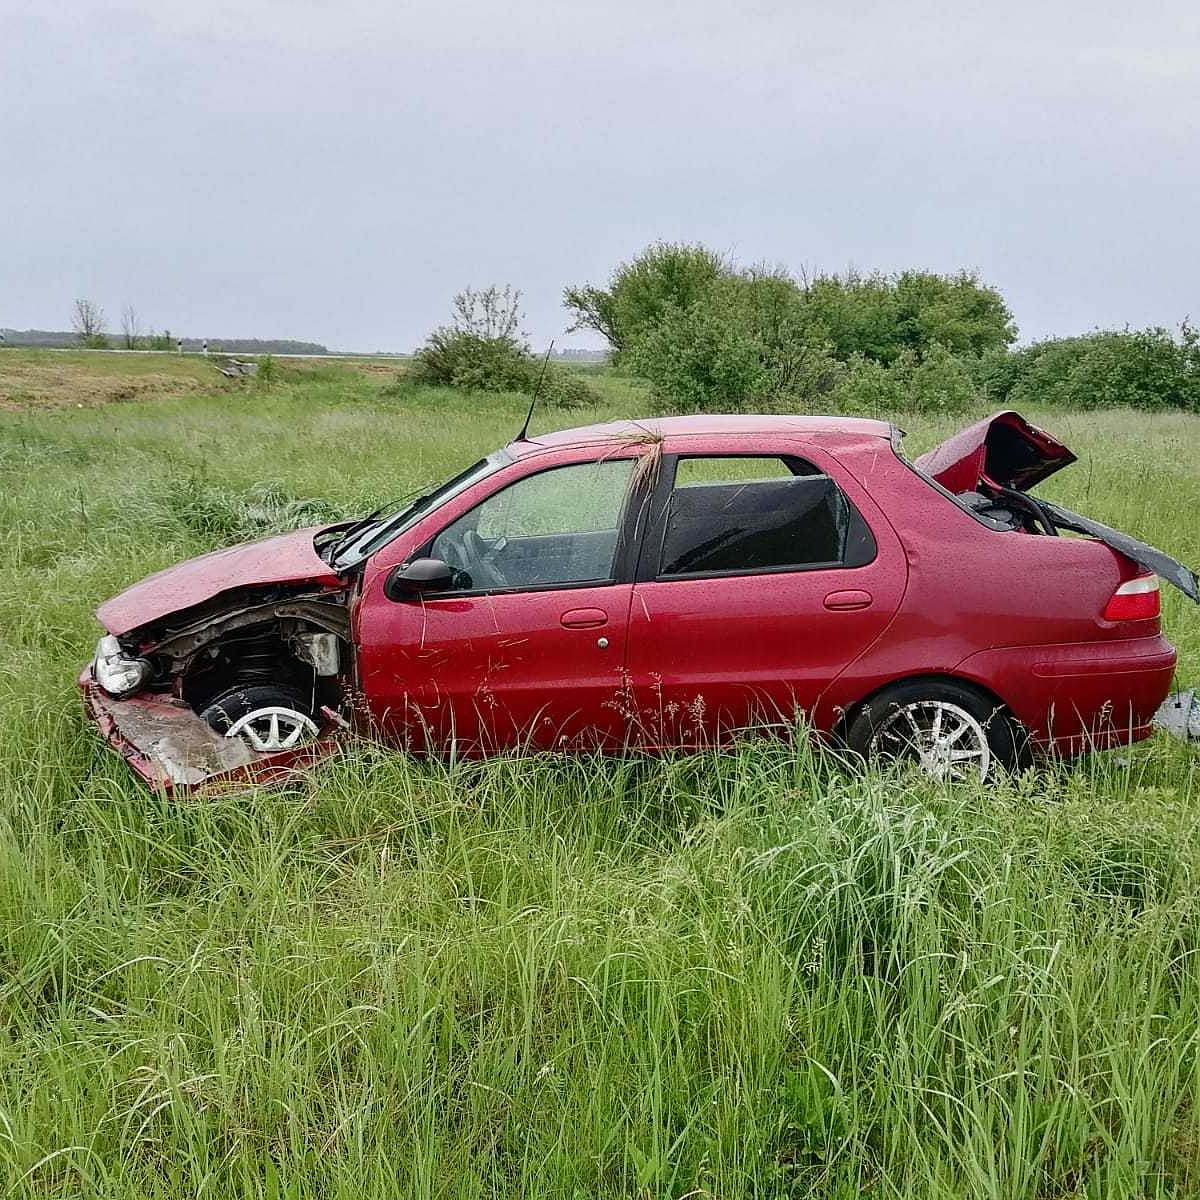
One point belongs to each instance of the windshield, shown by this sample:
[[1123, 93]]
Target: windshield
[[361, 540]]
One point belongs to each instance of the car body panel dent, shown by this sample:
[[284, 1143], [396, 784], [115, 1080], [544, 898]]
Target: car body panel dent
[[289, 558], [1003, 450], [168, 745]]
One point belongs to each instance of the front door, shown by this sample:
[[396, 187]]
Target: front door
[[760, 581], [526, 649]]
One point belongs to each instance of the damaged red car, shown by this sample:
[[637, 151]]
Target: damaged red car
[[661, 584]]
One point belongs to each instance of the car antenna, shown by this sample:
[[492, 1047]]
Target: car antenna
[[537, 387]]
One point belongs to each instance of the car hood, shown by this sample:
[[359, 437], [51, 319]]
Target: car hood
[[1002, 450], [288, 558]]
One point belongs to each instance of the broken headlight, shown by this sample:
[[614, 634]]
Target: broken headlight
[[117, 672]]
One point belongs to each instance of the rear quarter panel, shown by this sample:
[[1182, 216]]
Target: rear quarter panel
[[991, 606]]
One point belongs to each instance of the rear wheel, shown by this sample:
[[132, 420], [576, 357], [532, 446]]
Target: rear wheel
[[949, 730], [269, 717]]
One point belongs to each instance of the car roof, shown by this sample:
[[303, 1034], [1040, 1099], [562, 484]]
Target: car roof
[[701, 425]]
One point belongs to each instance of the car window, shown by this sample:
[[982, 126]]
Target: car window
[[730, 515], [742, 468], [557, 527]]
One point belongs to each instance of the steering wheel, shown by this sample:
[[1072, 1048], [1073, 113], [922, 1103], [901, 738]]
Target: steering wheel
[[482, 556], [450, 549], [472, 558]]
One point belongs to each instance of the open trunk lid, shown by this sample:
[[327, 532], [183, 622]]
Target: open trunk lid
[[1005, 453]]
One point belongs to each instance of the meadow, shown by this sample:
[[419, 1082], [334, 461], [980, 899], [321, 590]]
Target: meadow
[[754, 973]]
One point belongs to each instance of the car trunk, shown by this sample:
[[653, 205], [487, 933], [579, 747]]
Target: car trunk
[[990, 468]]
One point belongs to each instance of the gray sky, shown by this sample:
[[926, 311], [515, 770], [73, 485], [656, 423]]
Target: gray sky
[[336, 171]]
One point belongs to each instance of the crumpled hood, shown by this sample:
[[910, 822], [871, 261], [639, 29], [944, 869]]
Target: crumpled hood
[[1003, 450], [287, 558]]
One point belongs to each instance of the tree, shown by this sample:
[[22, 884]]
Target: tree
[[131, 328], [881, 316], [744, 344], [493, 314], [956, 312], [88, 322], [665, 277]]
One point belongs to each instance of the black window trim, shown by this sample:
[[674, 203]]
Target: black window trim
[[649, 558], [624, 557]]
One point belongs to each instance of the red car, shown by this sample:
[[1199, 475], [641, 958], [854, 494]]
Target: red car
[[658, 585]]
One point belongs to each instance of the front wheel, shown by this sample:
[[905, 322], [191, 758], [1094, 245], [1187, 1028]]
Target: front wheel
[[949, 730], [267, 717]]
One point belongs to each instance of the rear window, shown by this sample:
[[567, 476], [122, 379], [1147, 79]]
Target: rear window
[[736, 515]]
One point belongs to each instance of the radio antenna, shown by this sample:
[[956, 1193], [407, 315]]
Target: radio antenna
[[537, 387]]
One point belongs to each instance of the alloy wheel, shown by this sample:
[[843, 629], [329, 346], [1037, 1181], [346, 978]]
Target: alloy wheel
[[273, 728], [945, 740]]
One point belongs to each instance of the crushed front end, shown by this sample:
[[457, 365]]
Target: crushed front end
[[234, 665]]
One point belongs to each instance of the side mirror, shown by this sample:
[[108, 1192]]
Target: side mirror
[[418, 577]]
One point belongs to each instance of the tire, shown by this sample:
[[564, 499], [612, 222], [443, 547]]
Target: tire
[[951, 730], [265, 715]]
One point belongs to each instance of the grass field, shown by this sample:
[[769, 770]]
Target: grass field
[[726, 975]]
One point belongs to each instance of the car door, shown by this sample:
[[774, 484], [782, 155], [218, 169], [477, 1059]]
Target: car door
[[526, 648], [760, 579]]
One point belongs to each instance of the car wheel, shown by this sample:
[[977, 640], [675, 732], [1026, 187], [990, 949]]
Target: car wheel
[[951, 731], [268, 717]]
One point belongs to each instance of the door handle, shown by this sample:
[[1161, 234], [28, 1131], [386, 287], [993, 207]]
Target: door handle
[[583, 618], [850, 599]]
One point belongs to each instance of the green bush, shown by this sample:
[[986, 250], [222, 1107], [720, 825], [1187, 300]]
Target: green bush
[[454, 358], [1147, 369], [881, 316], [483, 350], [751, 343], [562, 389], [935, 382], [877, 316], [708, 335]]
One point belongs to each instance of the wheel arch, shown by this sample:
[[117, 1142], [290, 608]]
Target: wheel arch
[[850, 711]]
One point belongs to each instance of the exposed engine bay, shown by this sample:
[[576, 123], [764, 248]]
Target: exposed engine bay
[[289, 649]]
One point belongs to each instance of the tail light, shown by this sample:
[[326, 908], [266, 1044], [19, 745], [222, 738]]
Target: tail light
[[1135, 600]]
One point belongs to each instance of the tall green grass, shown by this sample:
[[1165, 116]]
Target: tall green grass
[[751, 973]]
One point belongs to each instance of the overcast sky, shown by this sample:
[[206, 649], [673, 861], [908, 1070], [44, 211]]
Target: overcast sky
[[336, 171]]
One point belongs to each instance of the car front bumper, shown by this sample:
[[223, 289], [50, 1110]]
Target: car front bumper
[[169, 746]]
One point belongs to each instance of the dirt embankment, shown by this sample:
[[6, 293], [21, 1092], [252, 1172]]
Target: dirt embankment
[[41, 379], [29, 381]]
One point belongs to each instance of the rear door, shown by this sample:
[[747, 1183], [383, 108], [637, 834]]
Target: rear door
[[762, 576], [526, 649]]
